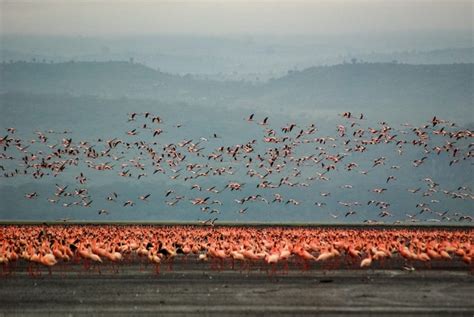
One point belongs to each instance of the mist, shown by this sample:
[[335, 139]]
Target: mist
[[232, 17]]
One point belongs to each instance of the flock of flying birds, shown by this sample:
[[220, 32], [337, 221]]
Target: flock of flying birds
[[273, 167]]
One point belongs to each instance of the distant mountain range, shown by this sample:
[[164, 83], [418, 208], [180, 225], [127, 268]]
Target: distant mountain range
[[254, 58], [361, 84]]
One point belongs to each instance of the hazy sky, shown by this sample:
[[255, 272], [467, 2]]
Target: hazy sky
[[68, 17]]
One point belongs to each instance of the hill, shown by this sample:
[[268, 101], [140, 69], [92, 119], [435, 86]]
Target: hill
[[376, 84], [107, 79]]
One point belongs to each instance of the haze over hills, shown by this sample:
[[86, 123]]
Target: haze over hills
[[422, 89], [246, 56]]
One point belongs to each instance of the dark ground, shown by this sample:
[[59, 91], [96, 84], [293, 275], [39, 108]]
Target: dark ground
[[194, 289]]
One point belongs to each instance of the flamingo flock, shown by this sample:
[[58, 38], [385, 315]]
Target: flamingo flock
[[217, 179], [231, 247], [276, 163]]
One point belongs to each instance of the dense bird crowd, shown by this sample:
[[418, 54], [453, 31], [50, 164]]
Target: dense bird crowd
[[222, 246], [281, 158]]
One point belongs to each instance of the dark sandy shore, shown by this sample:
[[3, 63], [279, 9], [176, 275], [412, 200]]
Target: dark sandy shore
[[193, 289]]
